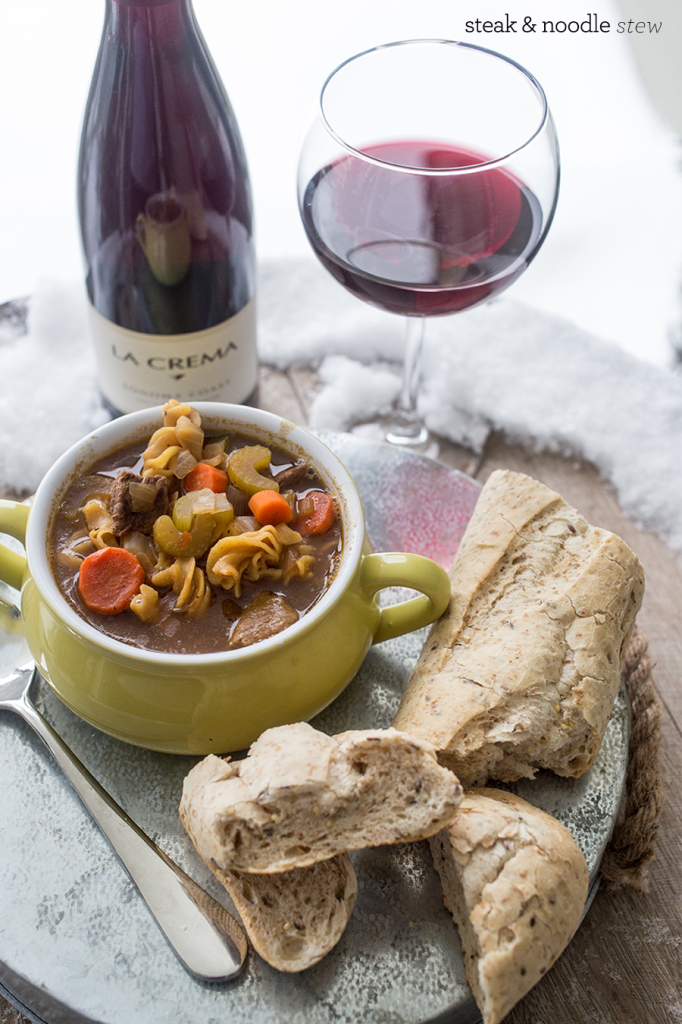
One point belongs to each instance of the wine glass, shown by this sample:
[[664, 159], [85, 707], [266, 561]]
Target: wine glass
[[426, 184]]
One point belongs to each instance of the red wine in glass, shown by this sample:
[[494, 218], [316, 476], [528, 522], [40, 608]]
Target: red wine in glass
[[421, 245]]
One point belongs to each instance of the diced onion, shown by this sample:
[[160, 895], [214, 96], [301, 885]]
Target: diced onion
[[142, 496], [244, 524], [214, 454], [143, 547], [289, 559], [290, 497], [306, 506], [184, 464], [204, 500], [238, 500], [69, 560]]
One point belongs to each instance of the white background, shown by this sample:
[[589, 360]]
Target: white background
[[613, 259]]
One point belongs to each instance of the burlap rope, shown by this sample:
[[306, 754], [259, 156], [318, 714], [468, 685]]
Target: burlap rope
[[631, 846]]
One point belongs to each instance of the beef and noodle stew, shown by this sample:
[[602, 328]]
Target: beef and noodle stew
[[193, 543]]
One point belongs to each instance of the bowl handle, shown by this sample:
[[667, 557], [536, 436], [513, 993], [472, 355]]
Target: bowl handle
[[393, 569], [13, 519]]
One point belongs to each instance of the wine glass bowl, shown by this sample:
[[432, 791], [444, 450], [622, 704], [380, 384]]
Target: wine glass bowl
[[427, 183]]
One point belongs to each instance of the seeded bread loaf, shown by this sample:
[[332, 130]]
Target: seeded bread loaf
[[516, 884], [295, 918], [301, 796], [522, 670]]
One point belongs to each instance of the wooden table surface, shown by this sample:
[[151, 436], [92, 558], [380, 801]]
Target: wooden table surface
[[624, 966]]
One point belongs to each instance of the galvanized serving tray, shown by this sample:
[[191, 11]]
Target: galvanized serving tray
[[78, 945]]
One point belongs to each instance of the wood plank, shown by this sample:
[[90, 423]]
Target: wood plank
[[306, 383], [8, 1015], [277, 394]]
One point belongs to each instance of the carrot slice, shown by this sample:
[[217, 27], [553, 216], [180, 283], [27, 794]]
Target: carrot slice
[[322, 515], [204, 475], [270, 508], [108, 580]]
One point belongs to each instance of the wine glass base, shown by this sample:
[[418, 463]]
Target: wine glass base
[[407, 432]]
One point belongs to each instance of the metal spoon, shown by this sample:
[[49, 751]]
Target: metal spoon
[[207, 940]]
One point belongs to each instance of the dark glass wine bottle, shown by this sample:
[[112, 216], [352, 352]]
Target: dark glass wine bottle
[[166, 215]]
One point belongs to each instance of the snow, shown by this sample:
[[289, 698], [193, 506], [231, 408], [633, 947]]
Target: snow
[[538, 377]]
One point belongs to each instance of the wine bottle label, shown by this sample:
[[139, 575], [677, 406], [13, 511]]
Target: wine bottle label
[[135, 370]]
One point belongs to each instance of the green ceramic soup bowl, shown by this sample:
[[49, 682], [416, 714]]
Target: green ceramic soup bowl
[[216, 702]]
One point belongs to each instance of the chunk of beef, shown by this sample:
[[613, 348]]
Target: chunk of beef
[[268, 614], [139, 509], [292, 475]]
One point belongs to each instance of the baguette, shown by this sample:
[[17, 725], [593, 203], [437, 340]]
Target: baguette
[[522, 670], [295, 918], [516, 884], [301, 796]]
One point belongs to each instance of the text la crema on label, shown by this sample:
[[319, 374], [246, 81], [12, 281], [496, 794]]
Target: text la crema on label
[[590, 24], [175, 363]]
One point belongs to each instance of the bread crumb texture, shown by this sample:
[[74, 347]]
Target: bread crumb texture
[[522, 670], [301, 796], [516, 884], [295, 918]]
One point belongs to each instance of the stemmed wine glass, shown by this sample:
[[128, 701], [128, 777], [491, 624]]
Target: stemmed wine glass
[[426, 184]]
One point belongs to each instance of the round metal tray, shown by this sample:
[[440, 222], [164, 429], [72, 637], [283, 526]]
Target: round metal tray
[[78, 945]]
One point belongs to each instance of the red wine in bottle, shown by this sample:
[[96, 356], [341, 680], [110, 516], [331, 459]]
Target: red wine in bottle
[[421, 245], [166, 216]]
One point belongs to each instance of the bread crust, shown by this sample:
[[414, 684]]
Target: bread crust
[[301, 796], [522, 670], [516, 884]]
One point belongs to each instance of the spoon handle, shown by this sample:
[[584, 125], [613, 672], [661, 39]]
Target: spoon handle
[[205, 937]]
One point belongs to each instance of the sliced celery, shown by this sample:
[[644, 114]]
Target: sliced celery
[[244, 466]]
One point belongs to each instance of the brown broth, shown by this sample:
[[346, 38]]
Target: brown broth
[[173, 631]]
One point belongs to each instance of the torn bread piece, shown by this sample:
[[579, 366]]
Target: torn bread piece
[[301, 796], [516, 884], [295, 918], [522, 670]]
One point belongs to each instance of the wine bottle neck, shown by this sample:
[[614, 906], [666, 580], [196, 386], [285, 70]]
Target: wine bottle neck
[[150, 3], [137, 24]]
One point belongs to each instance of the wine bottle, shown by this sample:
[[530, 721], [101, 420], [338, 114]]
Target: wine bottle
[[166, 216]]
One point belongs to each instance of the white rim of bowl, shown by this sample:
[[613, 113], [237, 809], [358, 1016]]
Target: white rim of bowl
[[121, 431]]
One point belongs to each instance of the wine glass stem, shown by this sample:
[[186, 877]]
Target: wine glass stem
[[406, 428]]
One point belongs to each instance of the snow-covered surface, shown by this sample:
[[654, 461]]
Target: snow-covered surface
[[533, 374]]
